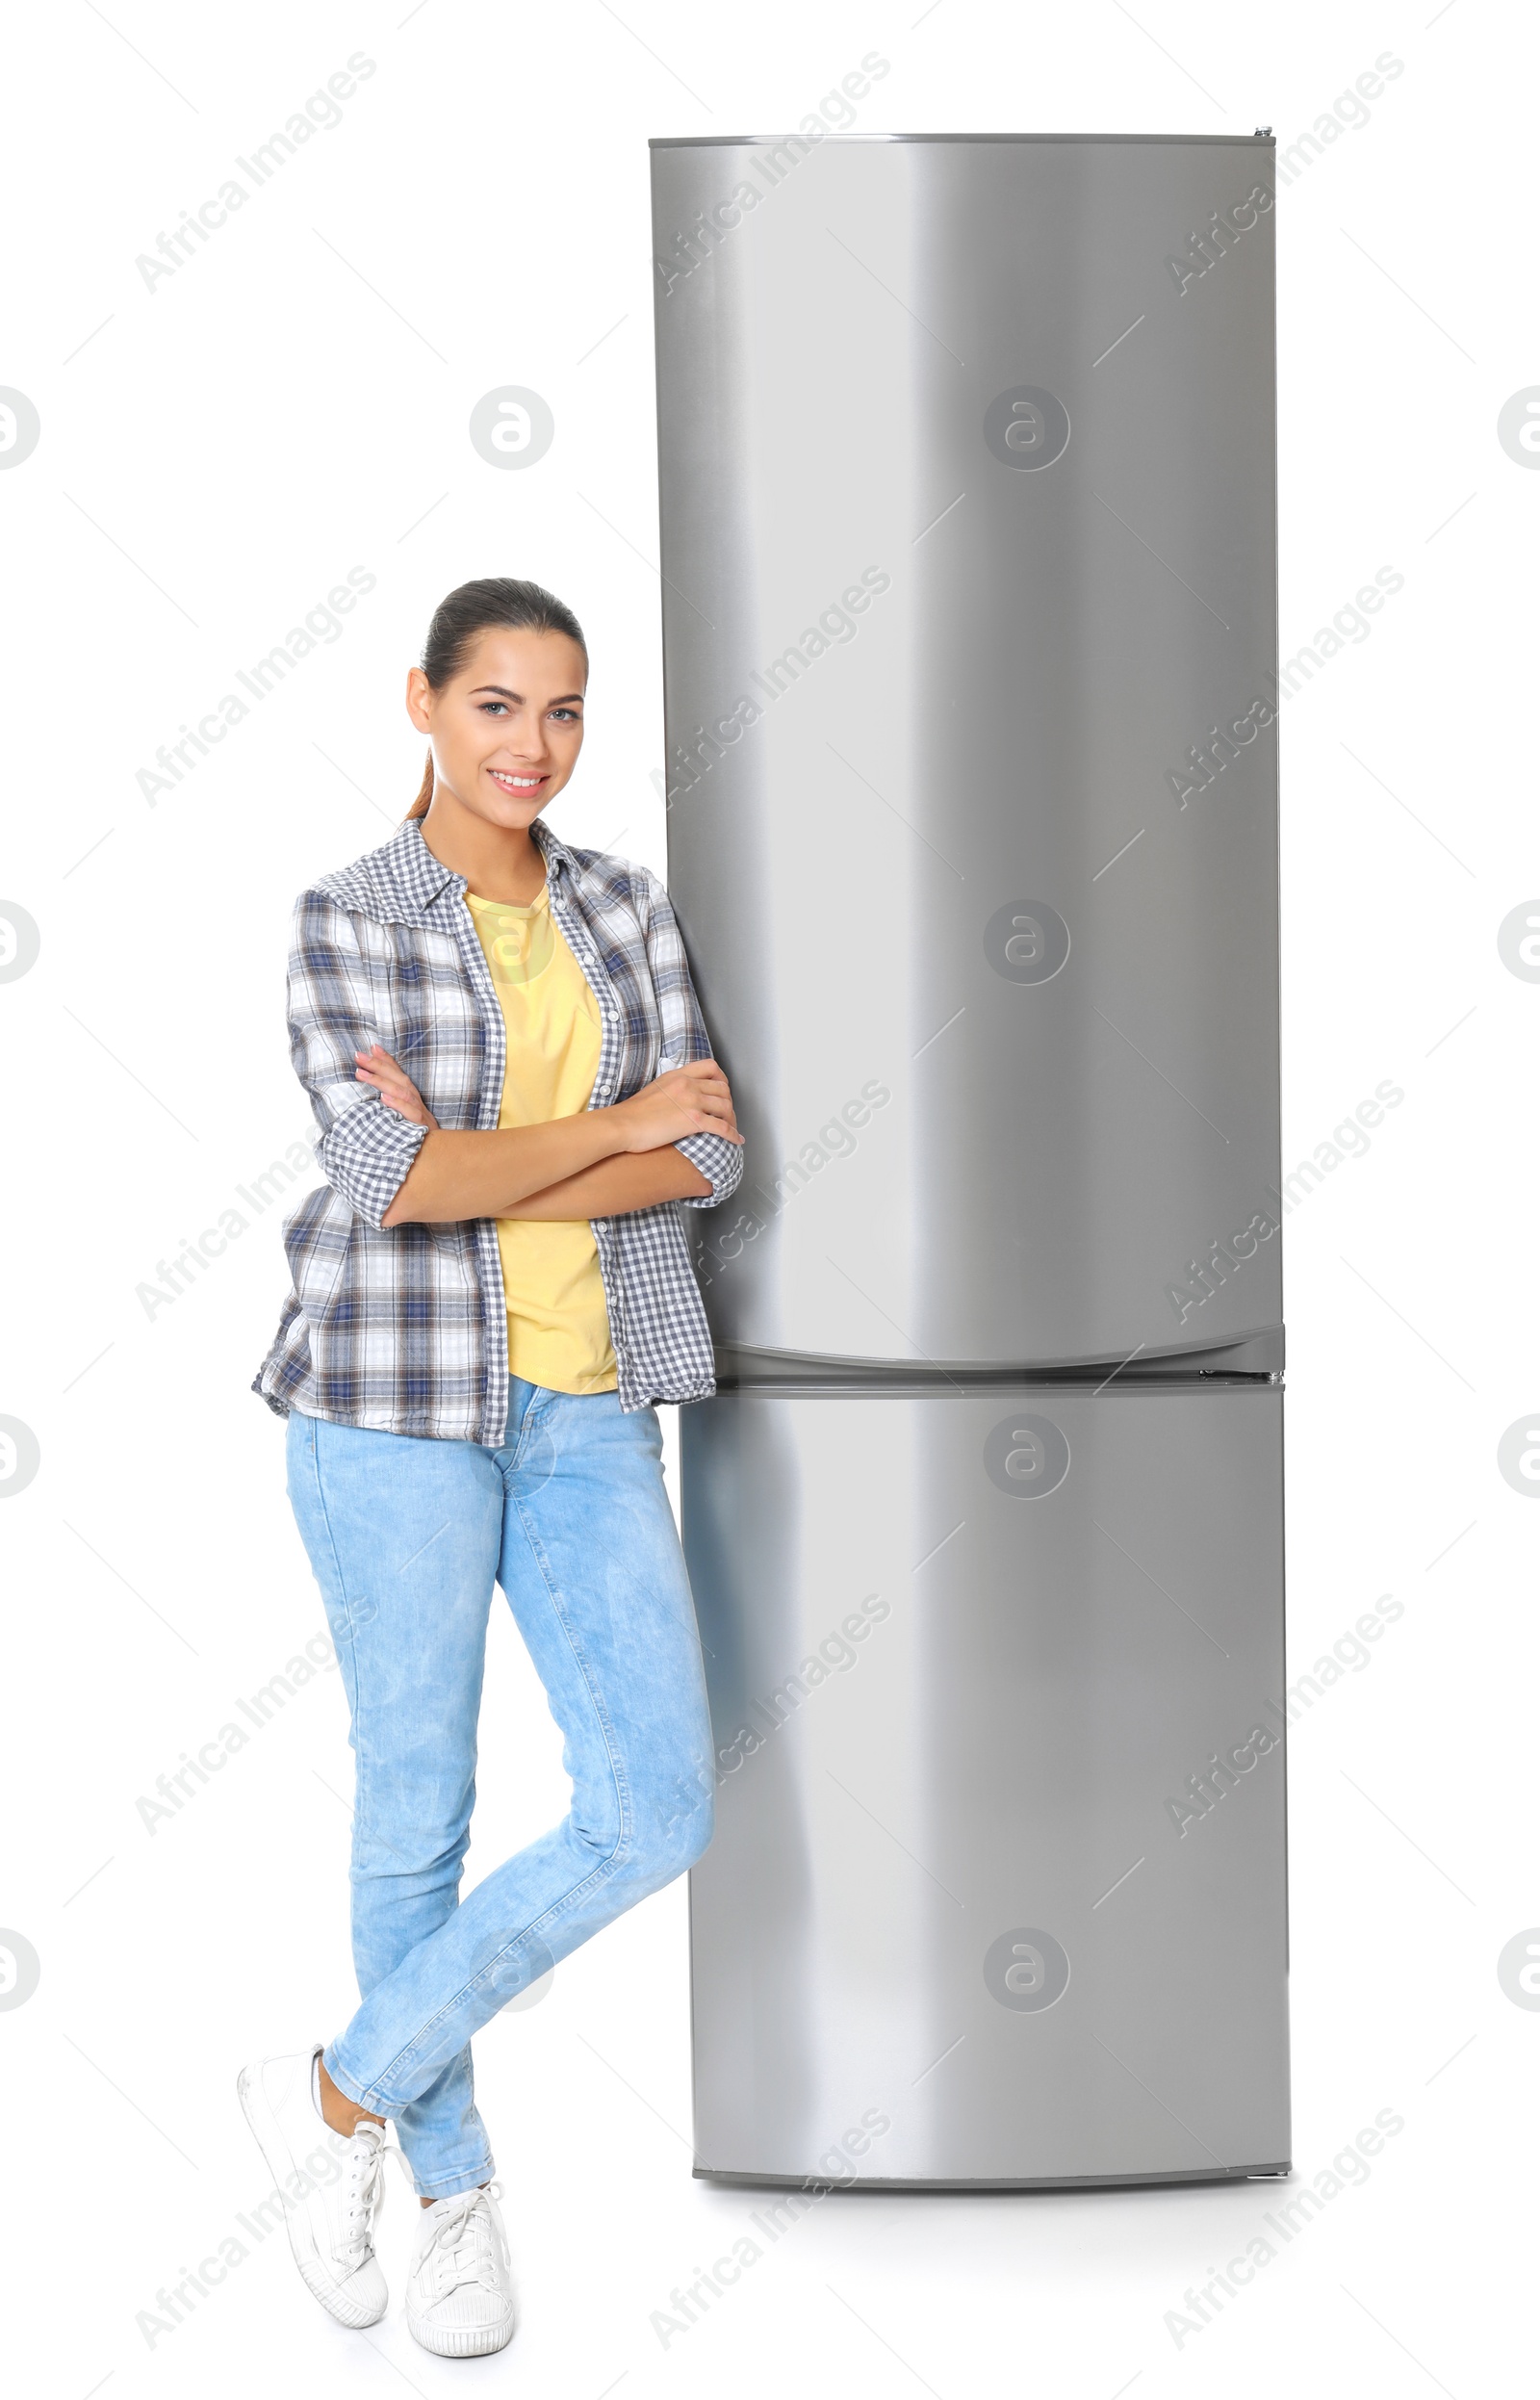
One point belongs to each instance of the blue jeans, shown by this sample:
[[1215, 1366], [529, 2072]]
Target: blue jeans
[[407, 1536]]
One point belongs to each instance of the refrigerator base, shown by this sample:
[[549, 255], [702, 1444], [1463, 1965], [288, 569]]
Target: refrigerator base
[[1273, 2173]]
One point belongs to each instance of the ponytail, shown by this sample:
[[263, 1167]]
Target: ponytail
[[498, 600], [420, 806]]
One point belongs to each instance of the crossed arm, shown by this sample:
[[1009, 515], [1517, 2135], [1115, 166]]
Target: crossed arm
[[604, 1162]]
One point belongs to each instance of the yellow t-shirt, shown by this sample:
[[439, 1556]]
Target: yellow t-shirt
[[559, 1325]]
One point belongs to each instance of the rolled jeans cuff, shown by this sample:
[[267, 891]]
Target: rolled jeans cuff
[[449, 2181]]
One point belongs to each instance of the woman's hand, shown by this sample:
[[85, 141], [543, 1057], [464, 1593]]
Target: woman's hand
[[395, 1086], [684, 1101]]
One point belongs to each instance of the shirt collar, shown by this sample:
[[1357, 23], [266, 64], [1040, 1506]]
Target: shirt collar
[[552, 848], [414, 878]]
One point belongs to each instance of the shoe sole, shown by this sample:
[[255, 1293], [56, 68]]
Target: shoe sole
[[468, 2342], [306, 2258]]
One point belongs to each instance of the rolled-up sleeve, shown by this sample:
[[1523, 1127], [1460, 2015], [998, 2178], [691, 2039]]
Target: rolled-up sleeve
[[365, 1149], [721, 1162], [686, 1038]]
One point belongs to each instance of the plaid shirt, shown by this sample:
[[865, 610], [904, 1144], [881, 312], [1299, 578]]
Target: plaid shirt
[[404, 1329]]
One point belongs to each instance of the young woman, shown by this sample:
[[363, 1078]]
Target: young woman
[[515, 1092]]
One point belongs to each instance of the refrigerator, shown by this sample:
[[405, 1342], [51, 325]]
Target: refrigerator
[[968, 537]]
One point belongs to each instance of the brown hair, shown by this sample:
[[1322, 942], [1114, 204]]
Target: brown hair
[[469, 610]]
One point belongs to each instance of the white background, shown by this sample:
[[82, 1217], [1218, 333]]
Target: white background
[[215, 453]]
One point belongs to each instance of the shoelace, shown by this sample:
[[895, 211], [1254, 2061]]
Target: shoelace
[[455, 2242], [368, 2149]]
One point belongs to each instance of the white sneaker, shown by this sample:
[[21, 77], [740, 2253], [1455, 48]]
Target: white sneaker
[[459, 2298], [331, 2185]]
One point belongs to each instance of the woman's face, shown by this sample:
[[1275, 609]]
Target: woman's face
[[507, 729]]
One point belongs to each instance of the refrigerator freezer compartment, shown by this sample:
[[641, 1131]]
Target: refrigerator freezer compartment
[[996, 1895]]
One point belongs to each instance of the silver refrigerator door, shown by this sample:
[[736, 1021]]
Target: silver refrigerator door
[[997, 1890], [967, 504]]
